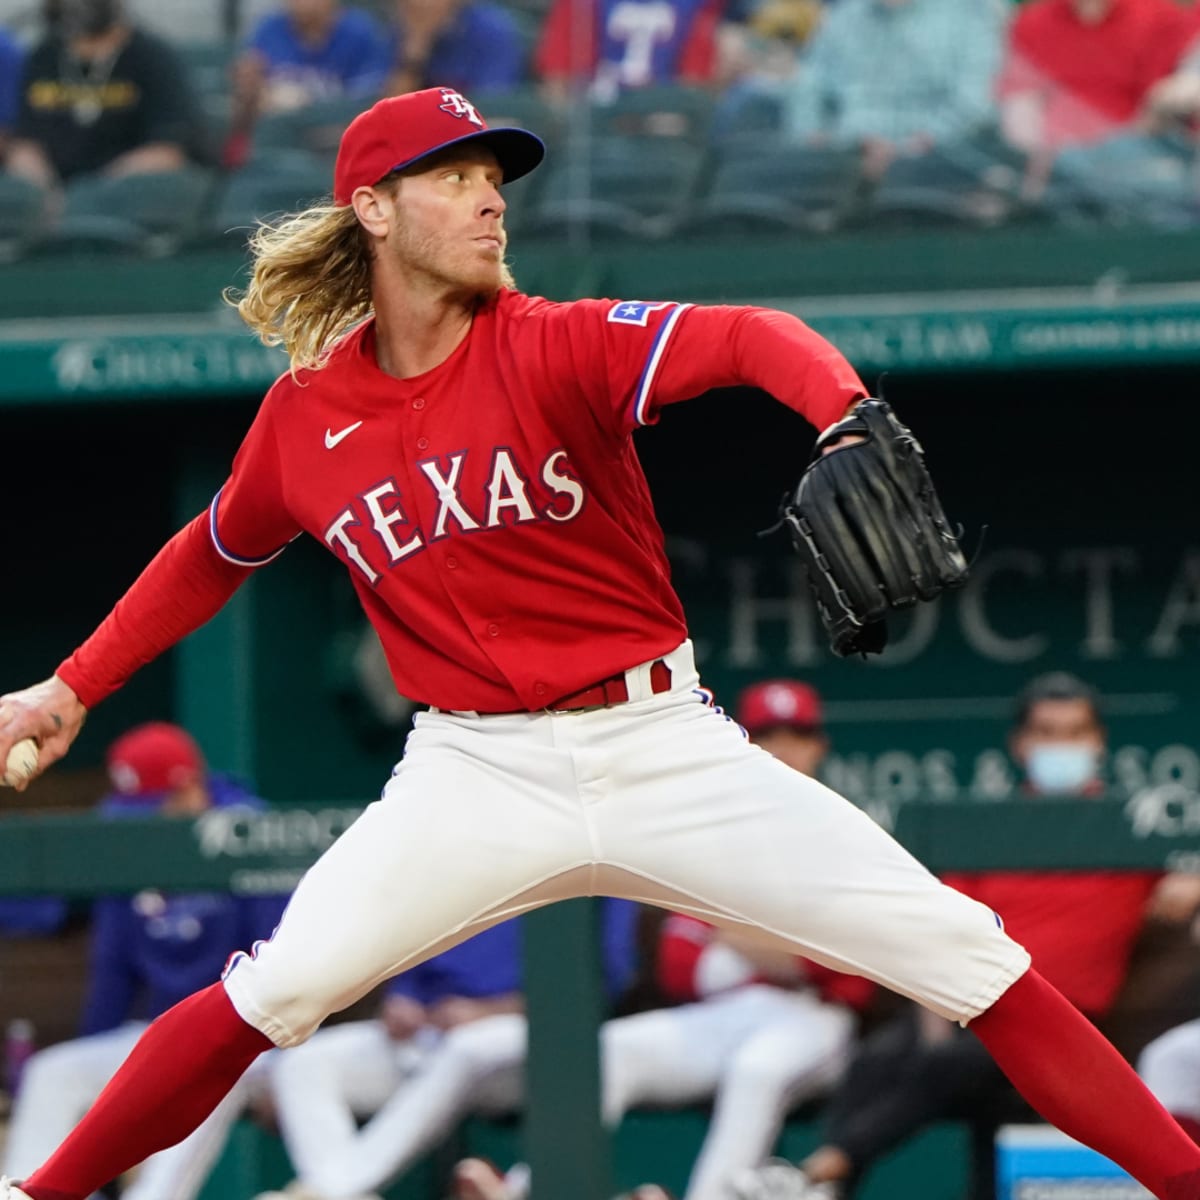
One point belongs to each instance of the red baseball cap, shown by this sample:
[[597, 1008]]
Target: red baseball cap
[[153, 759], [779, 703], [400, 130]]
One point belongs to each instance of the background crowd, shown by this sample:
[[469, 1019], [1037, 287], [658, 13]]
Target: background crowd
[[663, 116]]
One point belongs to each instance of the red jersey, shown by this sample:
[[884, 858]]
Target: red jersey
[[1093, 77], [683, 940], [491, 512], [1079, 927]]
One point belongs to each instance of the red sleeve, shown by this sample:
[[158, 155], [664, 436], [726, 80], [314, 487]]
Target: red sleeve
[[185, 585], [681, 942], [721, 346], [698, 58], [838, 988], [567, 49], [631, 357]]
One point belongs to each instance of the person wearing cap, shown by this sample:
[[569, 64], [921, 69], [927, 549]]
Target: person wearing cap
[[465, 452], [147, 953], [1081, 928], [785, 718]]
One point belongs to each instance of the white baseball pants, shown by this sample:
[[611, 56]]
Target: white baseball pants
[[757, 1051], [1170, 1067], [415, 1093], [659, 800], [61, 1083]]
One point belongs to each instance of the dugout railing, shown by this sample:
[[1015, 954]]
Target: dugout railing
[[81, 855]]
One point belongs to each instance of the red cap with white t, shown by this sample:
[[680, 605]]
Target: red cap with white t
[[779, 703], [154, 759], [399, 131]]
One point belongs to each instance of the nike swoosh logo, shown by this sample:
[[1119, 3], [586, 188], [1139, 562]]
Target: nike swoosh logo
[[332, 439]]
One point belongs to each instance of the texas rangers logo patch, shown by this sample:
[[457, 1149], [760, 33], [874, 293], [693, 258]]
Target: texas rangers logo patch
[[457, 105], [635, 312]]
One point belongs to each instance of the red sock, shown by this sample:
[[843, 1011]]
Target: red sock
[[1072, 1075], [174, 1077]]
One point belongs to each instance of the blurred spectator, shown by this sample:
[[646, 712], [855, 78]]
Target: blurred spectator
[[1079, 927], [896, 76], [1170, 1065], [1174, 102], [12, 60], [148, 952], [1078, 71], [308, 51], [785, 718], [470, 45], [1083, 84], [100, 95], [610, 45]]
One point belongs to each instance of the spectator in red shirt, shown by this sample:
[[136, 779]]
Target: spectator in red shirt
[[1079, 926], [1081, 74]]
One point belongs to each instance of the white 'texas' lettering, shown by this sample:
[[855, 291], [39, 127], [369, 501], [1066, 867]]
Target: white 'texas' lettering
[[561, 485], [336, 535], [382, 522], [449, 502], [506, 489]]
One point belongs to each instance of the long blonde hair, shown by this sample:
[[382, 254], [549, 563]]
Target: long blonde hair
[[311, 282]]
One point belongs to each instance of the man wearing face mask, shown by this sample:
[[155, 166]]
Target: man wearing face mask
[[1079, 927], [99, 95]]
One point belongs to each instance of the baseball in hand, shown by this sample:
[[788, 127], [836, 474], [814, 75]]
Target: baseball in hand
[[21, 764]]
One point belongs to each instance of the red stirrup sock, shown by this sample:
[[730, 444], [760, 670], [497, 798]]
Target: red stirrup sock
[[1072, 1075], [173, 1078]]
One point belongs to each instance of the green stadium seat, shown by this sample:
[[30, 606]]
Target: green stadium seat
[[641, 186], [20, 214], [944, 187], [764, 183], [316, 127], [270, 185], [665, 110], [149, 213]]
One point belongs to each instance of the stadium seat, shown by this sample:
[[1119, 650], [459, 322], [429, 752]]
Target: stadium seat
[[762, 183], [666, 110], [208, 69], [641, 186], [271, 184], [20, 214], [314, 127], [944, 187], [150, 213]]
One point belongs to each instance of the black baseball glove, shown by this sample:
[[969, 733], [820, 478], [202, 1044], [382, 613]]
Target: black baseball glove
[[870, 529]]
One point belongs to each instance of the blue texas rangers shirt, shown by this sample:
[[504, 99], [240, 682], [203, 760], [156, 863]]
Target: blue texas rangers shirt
[[150, 950], [489, 964], [353, 60]]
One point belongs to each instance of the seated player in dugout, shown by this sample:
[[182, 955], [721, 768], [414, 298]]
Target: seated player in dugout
[[148, 951], [464, 449], [1079, 926]]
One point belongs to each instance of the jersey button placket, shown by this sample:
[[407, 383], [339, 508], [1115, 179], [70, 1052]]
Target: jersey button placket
[[419, 403], [422, 443], [493, 630]]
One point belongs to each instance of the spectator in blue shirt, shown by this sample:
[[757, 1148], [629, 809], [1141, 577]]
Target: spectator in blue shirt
[[148, 952], [470, 45], [308, 51], [12, 60]]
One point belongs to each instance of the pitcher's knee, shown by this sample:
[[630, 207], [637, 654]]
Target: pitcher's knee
[[284, 1007]]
